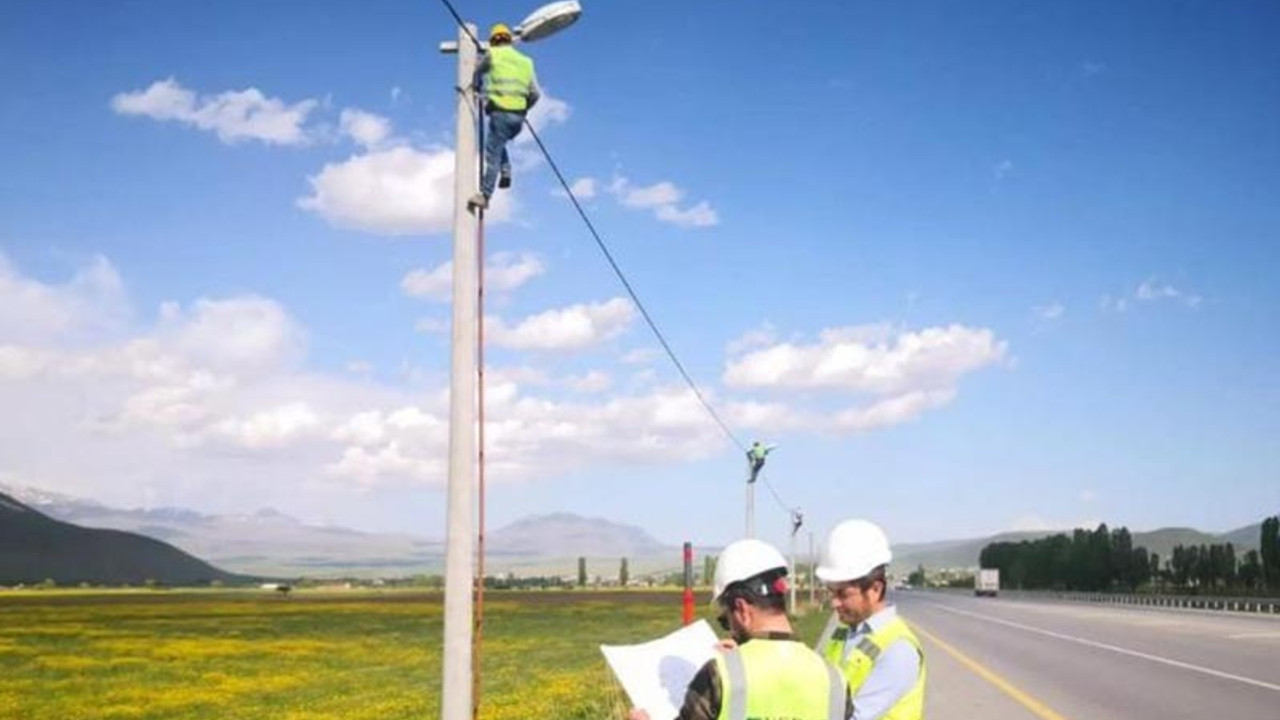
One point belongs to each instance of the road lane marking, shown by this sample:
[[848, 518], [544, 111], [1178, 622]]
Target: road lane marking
[[1039, 709], [1116, 649], [1248, 635]]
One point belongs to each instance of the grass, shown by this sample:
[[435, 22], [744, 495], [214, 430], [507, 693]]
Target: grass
[[350, 655]]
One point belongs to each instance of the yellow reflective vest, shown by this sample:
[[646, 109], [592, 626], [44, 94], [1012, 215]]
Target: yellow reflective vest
[[767, 679], [856, 667], [510, 76]]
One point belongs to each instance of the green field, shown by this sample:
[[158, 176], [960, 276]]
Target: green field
[[351, 655]]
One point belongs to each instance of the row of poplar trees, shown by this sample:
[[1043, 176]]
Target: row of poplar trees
[[1106, 560]]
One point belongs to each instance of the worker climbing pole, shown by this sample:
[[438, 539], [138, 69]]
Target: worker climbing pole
[[509, 84]]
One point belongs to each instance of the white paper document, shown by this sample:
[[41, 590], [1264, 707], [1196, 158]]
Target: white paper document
[[655, 674]]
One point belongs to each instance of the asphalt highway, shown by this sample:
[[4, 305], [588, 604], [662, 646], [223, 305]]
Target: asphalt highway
[[1006, 659]]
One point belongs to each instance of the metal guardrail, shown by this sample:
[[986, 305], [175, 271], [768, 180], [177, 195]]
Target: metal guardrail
[[1266, 606]]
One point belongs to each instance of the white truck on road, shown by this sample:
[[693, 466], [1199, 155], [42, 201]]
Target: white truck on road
[[987, 584]]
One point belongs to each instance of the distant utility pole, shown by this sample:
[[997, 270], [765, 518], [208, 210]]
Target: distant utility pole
[[797, 520], [813, 567]]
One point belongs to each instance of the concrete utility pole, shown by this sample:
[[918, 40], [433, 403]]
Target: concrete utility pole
[[457, 701], [459, 560], [751, 509]]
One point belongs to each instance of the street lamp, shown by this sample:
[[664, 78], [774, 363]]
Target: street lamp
[[549, 19], [456, 703]]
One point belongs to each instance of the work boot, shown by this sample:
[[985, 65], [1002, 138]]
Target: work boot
[[478, 201], [504, 178]]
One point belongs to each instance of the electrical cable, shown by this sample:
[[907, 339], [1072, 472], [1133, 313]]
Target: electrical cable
[[644, 312], [626, 284]]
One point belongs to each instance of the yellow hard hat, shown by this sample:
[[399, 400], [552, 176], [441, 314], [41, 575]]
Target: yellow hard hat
[[499, 31]]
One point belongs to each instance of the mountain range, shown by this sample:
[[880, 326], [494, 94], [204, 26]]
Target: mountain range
[[35, 547], [270, 543]]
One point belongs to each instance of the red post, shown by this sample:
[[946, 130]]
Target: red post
[[688, 583]]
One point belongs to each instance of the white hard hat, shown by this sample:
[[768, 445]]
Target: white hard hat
[[743, 560], [853, 549]]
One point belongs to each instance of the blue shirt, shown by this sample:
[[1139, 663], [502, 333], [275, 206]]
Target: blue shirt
[[893, 674]]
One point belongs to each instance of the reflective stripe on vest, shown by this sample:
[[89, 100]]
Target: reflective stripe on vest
[[510, 77], [856, 663], [779, 680]]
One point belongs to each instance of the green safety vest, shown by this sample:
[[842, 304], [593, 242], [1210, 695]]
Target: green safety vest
[[778, 680], [510, 77], [857, 665]]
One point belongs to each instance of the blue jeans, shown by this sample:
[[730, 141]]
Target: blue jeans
[[503, 128]]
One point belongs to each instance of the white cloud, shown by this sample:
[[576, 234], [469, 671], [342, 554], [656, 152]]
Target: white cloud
[[504, 272], [233, 115], [272, 428], [892, 411], [549, 111], [584, 188], [700, 215], [765, 334], [1110, 304], [212, 405], [396, 191], [663, 199], [771, 416], [517, 376], [570, 328], [91, 303], [870, 359], [367, 129], [640, 356], [1049, 312], [653, 196], [433, 284], [508, 271], [245, 334], [593, 381], [1150, 290], [907, 373]]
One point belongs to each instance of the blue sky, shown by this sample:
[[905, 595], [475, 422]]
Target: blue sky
[[975, 266]]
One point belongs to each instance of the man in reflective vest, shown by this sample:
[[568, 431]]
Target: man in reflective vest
[[756, 455], [765, 673], [511, 89], [875, 649]]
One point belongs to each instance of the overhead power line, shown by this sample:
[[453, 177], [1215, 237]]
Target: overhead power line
[[626, 284], [644, 312]]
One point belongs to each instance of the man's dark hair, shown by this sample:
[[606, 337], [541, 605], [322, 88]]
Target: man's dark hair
[[866, 582], [767, 591]]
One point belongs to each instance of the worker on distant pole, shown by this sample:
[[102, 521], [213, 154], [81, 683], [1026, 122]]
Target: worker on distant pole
[[755, 459], [875, 649], [764, 672], [510, 88]]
